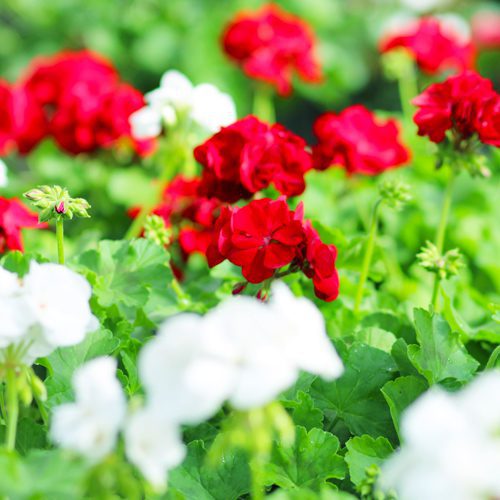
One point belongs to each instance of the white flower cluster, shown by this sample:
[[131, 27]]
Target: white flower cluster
[[47, 309], [243, 351], [451, 445], [177, 97]]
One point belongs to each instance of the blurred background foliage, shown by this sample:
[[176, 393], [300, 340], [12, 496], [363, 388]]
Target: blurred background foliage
[[144, 38]]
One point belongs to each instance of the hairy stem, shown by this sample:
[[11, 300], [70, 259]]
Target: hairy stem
[[440, 235], [12, 409], [60, 240], [367, 259]]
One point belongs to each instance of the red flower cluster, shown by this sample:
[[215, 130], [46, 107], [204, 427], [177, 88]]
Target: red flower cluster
[[266, 235], [77, 98], [465, 105], [248, 156], [434, 45], [270, 45], [14, 216], [22, 122], [356, 140], [191, 216]]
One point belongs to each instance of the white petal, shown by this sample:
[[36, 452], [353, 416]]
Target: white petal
[[145, 123], [3, 174], [211, 108], [153, 445], [176, 88]]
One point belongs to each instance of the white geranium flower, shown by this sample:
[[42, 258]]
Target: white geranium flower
[[304, 338], [211, 108], [177, 97], [15, 316], [179, 375], [91, 424], [58, 300], [153, 445], [451, 445], [246, 333], [3, 174], [145, 123]]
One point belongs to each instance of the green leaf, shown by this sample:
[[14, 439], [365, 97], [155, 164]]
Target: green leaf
[[355, 398], [309, 463], [363, 451], [42, 475], [64, 361], [197, 479], [440, 354], [304, 412], [306, 494], [130, 275], [399, 353], [400, 393]]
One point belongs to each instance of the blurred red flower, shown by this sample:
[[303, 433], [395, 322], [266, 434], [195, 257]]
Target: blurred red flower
[[86, 105], [465, 104], [270, 45], [433, 44], [22, 121], [249, 156], [14, 216], [358, 141], [265, 236]]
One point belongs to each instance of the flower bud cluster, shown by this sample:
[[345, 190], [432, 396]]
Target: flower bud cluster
[[395, 193], [55, 203], [444, 266], [156, 231]]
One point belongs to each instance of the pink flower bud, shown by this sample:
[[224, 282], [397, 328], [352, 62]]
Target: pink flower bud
[[60, 208]]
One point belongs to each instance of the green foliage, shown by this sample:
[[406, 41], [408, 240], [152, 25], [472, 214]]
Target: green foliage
[[309, 463], [440, 354], [363, 452], [355, 398]]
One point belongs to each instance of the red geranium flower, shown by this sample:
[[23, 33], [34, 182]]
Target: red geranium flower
[[260, 237], [265, 236], [358, 141], [465, 104], [14, 216], [191, 215], [321, 265], [270, 45], [248, 156], [22, 121], [85, 103], [433, 44]]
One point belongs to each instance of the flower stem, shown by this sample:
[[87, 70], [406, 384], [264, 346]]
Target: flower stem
[[263, 106], [370, 245], [60, 240], [257, 486], [440, 235], [12, 409], [408, 89]]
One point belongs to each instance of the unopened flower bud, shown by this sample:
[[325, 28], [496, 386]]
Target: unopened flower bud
[[38, 388], [238, 288], [54, 202], [444, 266], [395, 193], [156, 230]]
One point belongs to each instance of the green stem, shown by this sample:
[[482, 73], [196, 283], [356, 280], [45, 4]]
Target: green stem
[[256, 471], [370, 245], [3, 412], [408, 89], [435, 292], [440, 235], [12, 409], [263, 106], [60, 240]]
